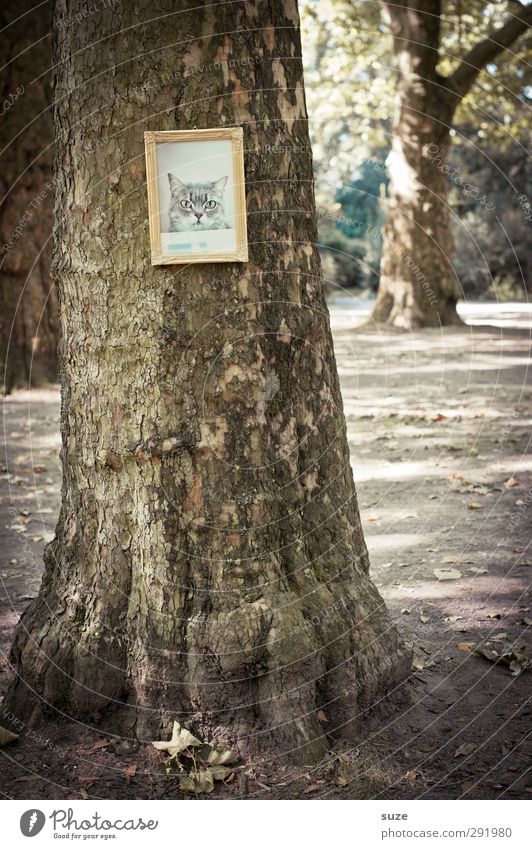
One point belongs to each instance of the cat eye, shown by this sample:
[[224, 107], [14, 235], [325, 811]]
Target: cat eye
[[186, 204], [210, 204]]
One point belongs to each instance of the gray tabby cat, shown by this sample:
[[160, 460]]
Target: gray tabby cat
[[197, 206]]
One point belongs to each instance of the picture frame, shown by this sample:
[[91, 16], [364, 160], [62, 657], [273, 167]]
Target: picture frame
[[196, 195]]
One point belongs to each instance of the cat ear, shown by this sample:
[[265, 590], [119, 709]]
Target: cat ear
[[176, 186], [219, 185]]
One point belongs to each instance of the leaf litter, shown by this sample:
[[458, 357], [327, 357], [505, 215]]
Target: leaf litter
[[7, 736], [497, 650], [516, 658], [198, 764], [447, 574]]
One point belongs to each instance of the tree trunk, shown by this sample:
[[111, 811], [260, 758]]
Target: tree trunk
[[418, 286], [28, 302], [209, 564]]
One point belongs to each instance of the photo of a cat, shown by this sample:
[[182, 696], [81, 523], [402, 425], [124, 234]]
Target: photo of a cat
[[197, 206], [196, 195]]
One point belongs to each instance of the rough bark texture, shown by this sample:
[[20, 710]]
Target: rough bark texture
[[418, 286], [28, 303], [209, 564]]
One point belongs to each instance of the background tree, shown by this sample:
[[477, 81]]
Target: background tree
[[28, 303], [418, 285], [209, 564], [352, 82]]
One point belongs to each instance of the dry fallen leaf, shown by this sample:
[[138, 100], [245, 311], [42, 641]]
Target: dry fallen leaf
[[7, 736], [181, 739], [322, 716], [208, 761], [455, 558], [197, 782], [465, 749], [516, 658], [467, 786], [216, 755], [447, 574], [511, 482], [419, 664], [131, 770]]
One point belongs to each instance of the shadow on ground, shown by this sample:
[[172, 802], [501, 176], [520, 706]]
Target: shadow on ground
[[439, 428]]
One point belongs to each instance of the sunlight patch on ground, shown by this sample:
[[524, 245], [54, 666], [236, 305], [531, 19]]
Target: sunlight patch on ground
[[365, 471], [510, 464], [480, 363], [378, 542], [349, 311]]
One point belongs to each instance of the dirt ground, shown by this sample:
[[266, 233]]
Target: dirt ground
[[439, 427]]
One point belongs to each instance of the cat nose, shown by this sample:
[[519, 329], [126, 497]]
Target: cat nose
[[198, 215]]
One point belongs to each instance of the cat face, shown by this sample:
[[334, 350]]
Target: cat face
[[197, 206]]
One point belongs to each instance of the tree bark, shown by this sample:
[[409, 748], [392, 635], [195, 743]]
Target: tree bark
[[519, 20], [28, 302], [209, 564], [418, 286]]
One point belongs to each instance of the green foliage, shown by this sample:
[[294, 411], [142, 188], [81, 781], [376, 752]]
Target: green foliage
[[349, 73], [348, 82], [495, 110], [493, 249], [349, 235], [359, 198]]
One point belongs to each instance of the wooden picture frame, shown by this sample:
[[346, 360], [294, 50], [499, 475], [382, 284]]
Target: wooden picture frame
[[194, 215]]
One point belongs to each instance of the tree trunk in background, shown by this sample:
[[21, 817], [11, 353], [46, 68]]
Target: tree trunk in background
[[28, 302], [209, 564], [418, 287]]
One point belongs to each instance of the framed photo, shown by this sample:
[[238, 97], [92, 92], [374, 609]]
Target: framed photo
[[196, 196]]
